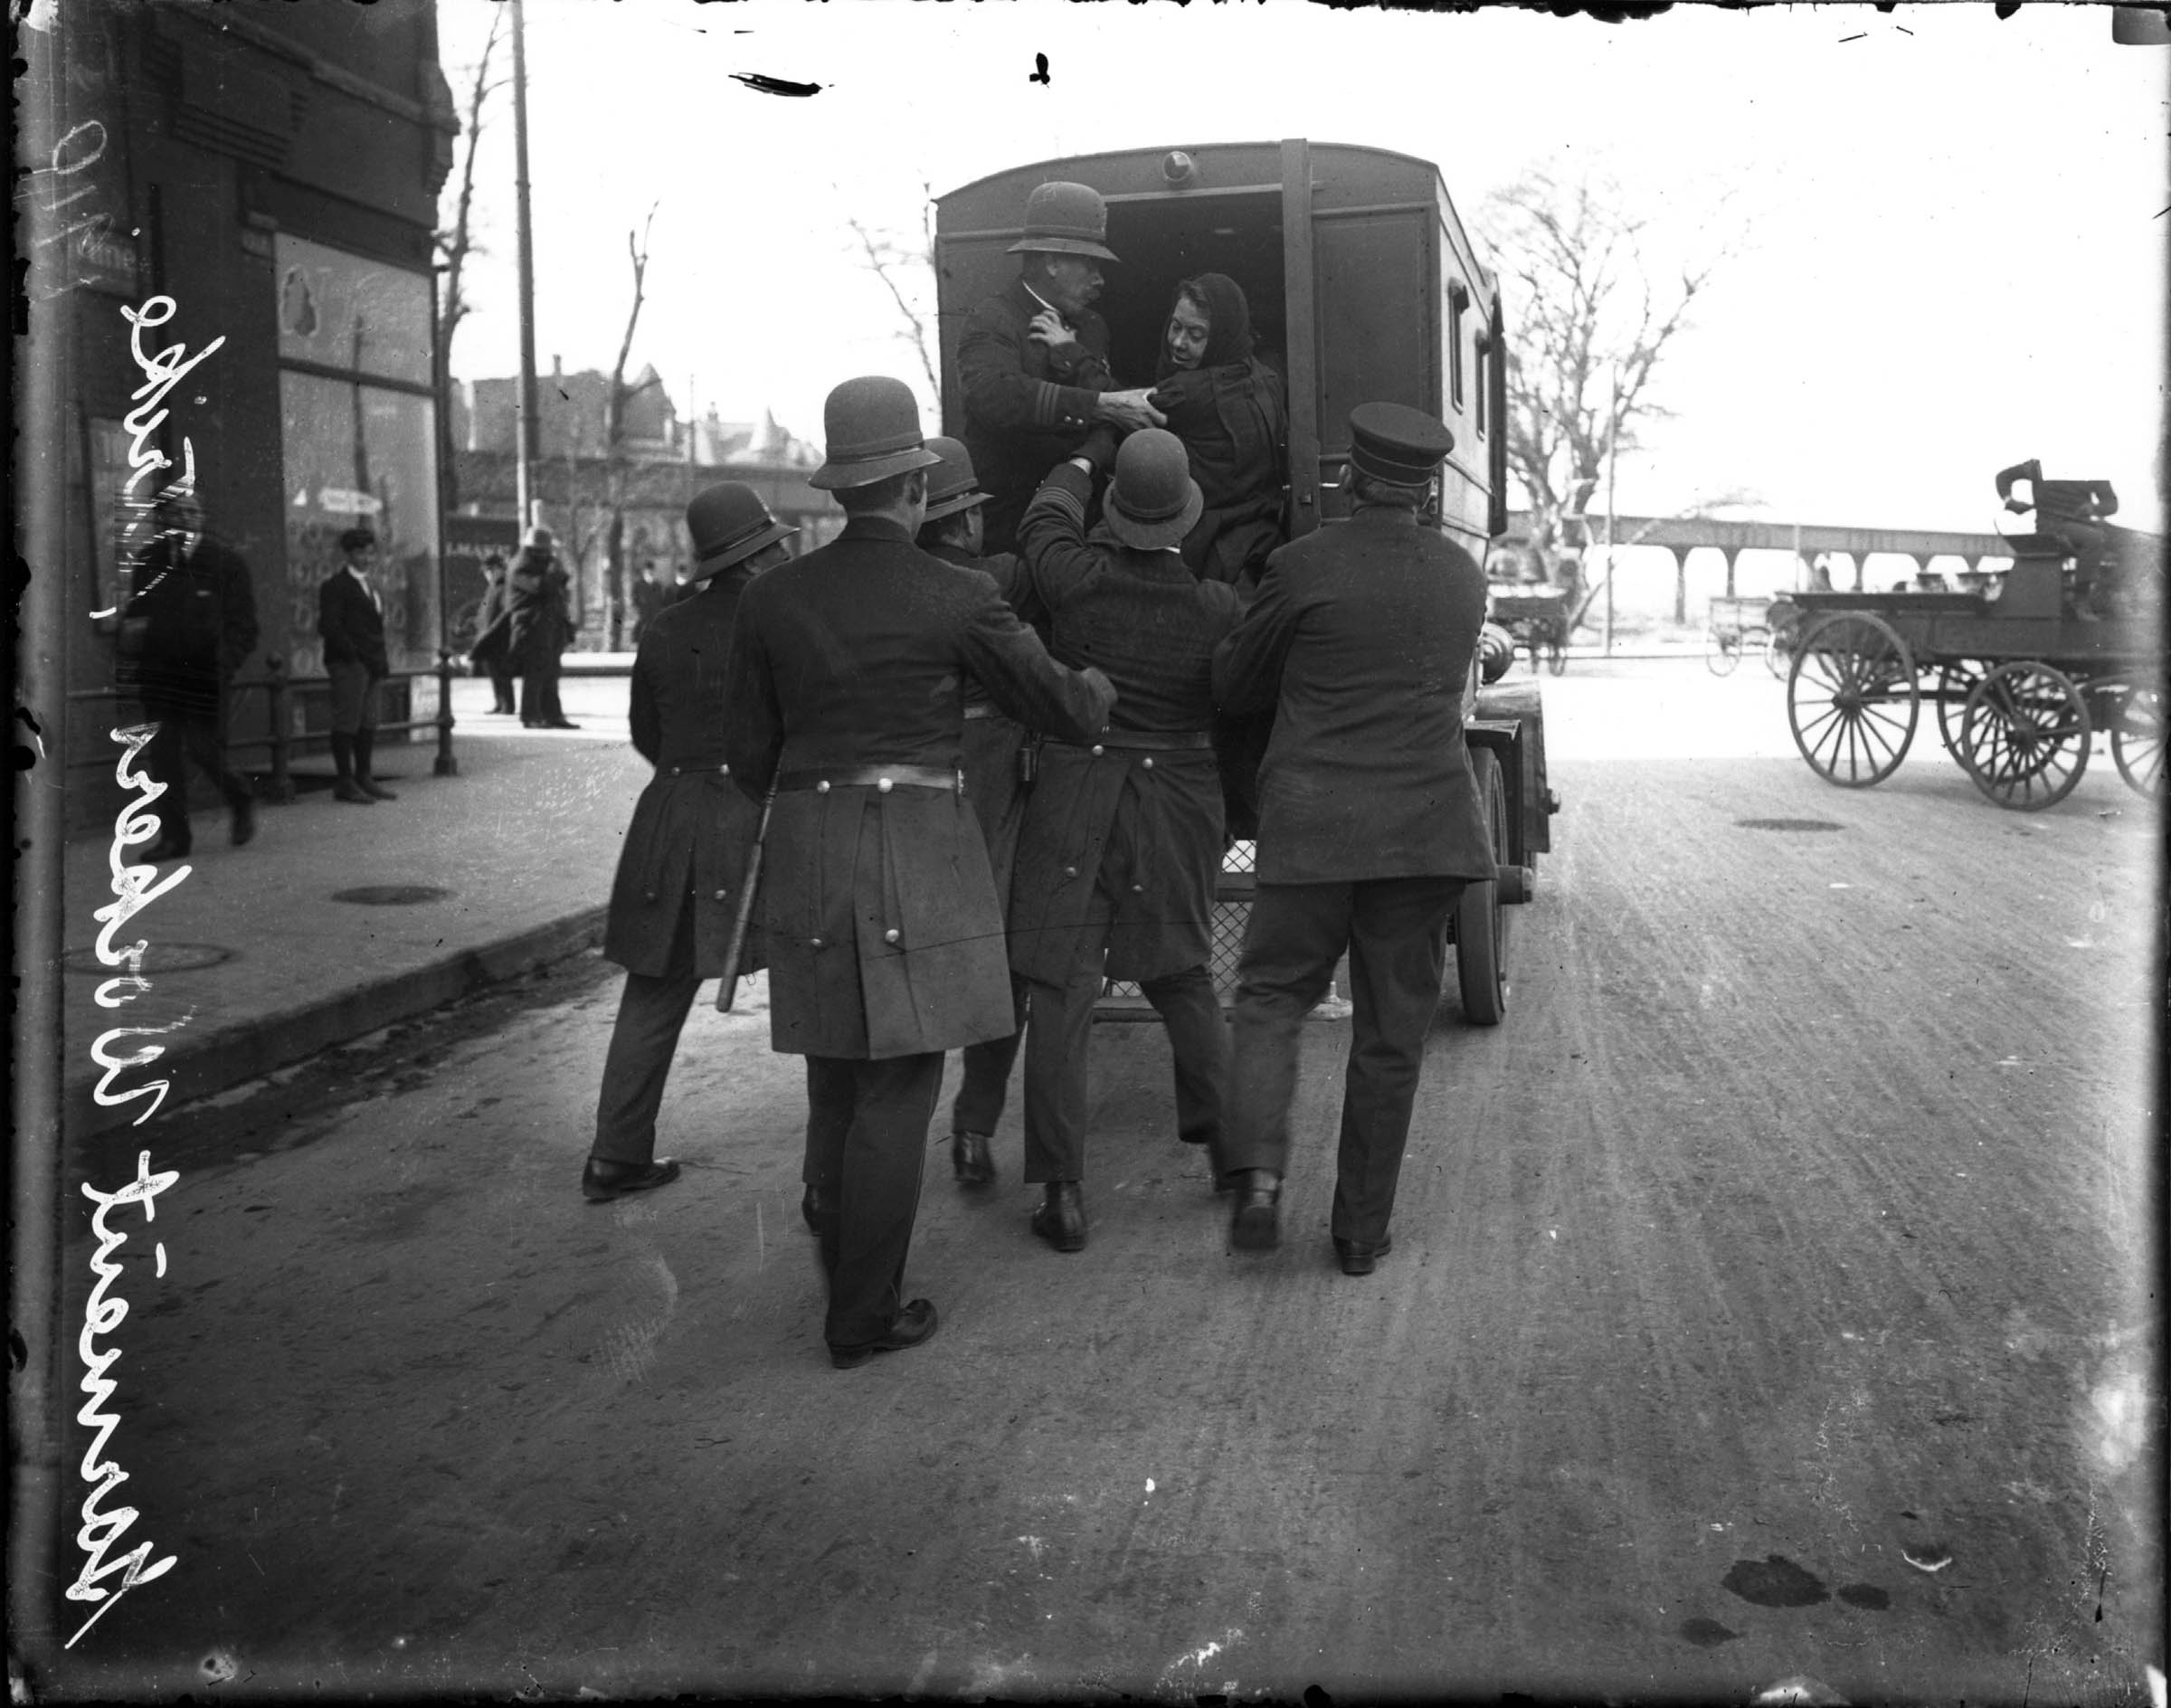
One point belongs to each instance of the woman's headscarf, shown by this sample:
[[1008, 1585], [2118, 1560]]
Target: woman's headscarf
[[1228, 320]]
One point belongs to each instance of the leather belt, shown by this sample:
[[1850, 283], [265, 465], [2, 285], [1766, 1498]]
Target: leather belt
[[1152, 741], [822, 779]]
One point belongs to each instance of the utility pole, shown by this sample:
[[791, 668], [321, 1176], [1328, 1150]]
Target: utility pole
[[1612, 464], [529, 451]]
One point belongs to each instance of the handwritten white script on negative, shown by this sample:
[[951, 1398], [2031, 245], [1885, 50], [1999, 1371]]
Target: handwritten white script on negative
[[135, 887], [161, 371]]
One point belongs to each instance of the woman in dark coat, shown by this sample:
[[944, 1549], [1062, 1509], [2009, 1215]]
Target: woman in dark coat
[[1228, 408]]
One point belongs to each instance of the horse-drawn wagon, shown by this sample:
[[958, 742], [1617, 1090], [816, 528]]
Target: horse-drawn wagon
[[2023, 671]]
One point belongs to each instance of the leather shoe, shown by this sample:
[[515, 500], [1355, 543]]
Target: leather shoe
[[971, 1160], [601, 1181], [244, 821], [1359, 1259], [1255, 1224], [1060, 1219], [813, 1205], [914, 1326], [374, 790], [558, 722], [346, 789]]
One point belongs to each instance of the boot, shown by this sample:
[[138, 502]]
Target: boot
[[1061, 1218], [1255, 1224], [365, 742], [343, 761], [969, 1159]]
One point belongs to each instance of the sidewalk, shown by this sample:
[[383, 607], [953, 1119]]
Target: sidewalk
[[340, 920]]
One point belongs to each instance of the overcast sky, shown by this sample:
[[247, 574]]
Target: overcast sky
[[1952, 226]]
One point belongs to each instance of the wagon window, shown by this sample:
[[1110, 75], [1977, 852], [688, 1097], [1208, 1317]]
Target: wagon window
[[1458, 298], [1484, 350]]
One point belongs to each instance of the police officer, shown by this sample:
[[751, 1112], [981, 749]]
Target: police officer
[[881, 922], [1370, 825], [1033, 359], [994, 757], [677, 892], [1123, 833]]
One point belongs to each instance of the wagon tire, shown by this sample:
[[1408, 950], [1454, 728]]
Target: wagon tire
[[2024, 736], [1480, 946], [2137, 741], [1852, 701]]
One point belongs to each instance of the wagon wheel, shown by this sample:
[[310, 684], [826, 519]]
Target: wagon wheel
[[2136, 740], [1481, 967], [1851, 699], [1721, 651], [1956, 681], [2024, 736]]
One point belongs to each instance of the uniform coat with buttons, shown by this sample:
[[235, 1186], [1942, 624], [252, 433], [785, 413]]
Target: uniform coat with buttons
[[1360, 642], [882, 927], [691, 831], [1027, 407], [1151, 625]]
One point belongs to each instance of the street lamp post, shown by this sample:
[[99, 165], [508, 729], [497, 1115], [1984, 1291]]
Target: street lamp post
[[530, 438]]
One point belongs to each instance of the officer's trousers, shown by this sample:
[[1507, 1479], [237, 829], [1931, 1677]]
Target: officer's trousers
[[1061, 1034], [867, 1141], [1395, 930]]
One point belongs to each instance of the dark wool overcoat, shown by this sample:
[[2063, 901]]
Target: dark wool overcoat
[[539, 610], [993, 739], [1025, 408], [1151, 625], [189, 622], [351, 624], [692, 830], [1359, 640], [881, 922]]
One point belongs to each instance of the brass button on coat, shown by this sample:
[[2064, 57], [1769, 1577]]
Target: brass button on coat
[[890, 935], [1148, 763], [823, 787], [723, 895], [815, 942], [885, 786], [1099, 751]]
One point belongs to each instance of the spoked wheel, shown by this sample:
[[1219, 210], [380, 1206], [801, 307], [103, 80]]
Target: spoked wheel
[[1721, 652], [1851, 699], [1956, 681], [2136, 740], [1481, 966], [2024, 736]]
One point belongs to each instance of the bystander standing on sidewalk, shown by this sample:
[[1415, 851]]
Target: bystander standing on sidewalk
[[189, 622], [542, 628], [492, 645], [350, 617]]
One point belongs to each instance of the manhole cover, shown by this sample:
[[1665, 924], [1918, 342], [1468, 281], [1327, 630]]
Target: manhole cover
[[391, 895], [1786, 824], [159, 957]]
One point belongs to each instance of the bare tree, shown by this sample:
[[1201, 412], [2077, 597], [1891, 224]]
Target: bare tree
[[615, 432], [1589, 322], [906, 266], [455, 245]]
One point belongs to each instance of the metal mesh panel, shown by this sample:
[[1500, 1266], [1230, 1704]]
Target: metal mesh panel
[[1232, 911]]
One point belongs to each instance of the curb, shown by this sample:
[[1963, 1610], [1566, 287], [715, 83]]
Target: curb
[[218, 1061]]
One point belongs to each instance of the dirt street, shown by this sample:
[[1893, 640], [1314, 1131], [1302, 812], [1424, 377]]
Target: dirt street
[[1771, 1297]]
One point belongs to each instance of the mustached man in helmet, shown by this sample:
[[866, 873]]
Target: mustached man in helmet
[[1033, 359], [1117, 861], [677, 892], [1370, 824], [879, 919], [994, 750]]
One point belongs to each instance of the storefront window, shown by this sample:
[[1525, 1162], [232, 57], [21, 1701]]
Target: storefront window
[[361, 454], [341, 311]]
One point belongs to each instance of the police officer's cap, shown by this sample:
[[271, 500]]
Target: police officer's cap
[[1153, 501], [1399, 445], [954, 486], [872, 426], [1066, 219], [729, 524]]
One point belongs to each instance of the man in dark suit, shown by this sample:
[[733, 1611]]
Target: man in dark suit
[[1370, 824], [350, 617], [540, 619], [677, 892], [189, 622], [879, 920], [1033, 359], [994, 754], [1122, 835], [493, 640]]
